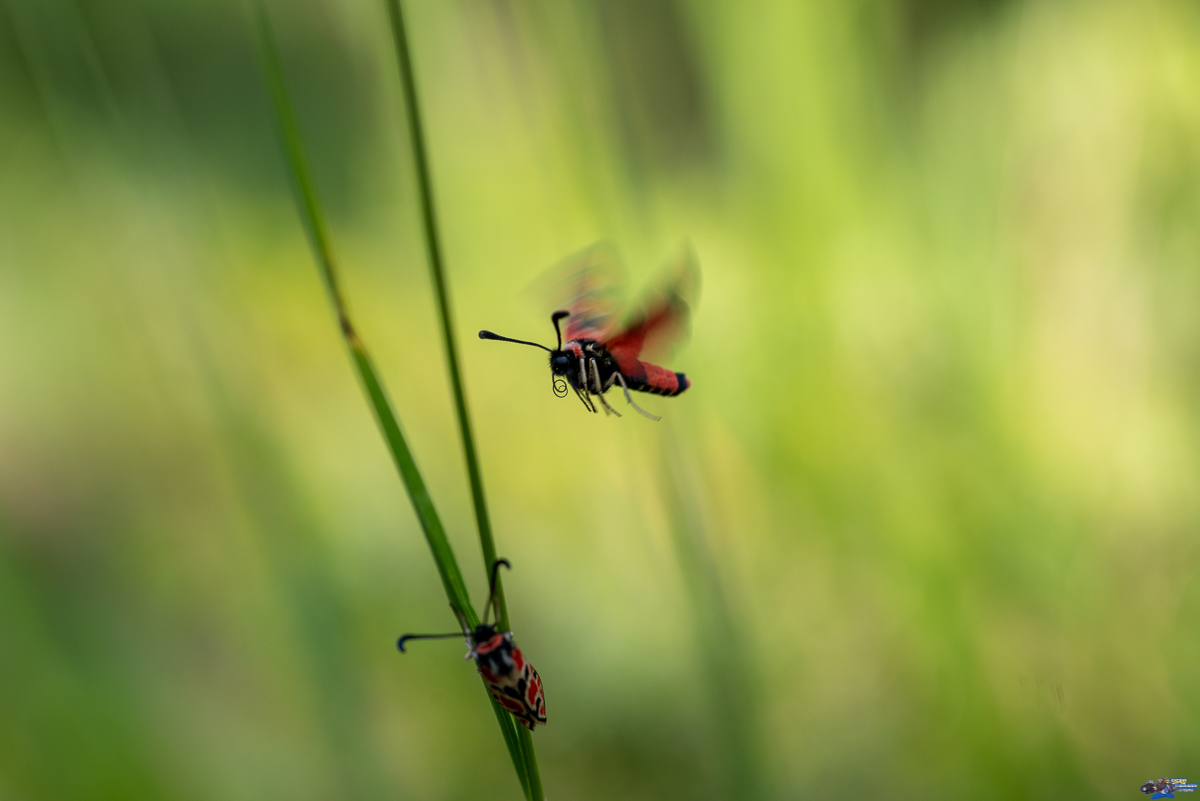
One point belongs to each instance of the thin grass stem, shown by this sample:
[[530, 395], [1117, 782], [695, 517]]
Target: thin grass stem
[[721, 643], [437, 271], [528, 769], [318, 235]]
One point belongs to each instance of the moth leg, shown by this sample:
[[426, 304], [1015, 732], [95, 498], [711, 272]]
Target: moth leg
[[608, 409], [629, 398], [600, 390], [583, 380], [583, 400]]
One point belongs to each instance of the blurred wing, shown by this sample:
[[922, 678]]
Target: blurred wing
[[663, 321], [587, 284]]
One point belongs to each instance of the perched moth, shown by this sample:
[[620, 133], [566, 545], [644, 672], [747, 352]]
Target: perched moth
[[510, 679]]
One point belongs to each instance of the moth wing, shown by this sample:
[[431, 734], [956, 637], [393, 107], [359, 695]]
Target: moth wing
[[587, 284], [520, 692], [512, 705], [662, 321], [536, 698], [533, 700]]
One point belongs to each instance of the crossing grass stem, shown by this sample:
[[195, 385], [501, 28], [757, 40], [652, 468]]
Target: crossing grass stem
[[531, 780], [516, 738]]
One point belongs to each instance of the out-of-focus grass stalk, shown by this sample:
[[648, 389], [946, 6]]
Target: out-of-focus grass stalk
[[269, 492], [314, 223], [412, 108], [720, 642]]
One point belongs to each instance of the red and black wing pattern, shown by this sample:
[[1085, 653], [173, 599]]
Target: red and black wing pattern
[[660, 325], [520, 689], [587, 284], [521, 693]]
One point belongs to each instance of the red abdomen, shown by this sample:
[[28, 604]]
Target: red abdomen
[[661, 381]]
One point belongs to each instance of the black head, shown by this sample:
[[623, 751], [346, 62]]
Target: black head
[[482, 633], [560, 362]]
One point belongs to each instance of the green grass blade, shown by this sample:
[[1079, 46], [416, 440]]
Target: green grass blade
[[435, 535], [314, 223], [417, 492], [529, 757], [434, 250], [510, 728], [522, 750], [721, 647]]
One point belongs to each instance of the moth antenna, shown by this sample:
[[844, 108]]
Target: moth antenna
[[400, 642], [492, 600], [554, 318], [498, 338]]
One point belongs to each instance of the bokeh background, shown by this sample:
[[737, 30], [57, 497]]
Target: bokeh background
[[924, 526]]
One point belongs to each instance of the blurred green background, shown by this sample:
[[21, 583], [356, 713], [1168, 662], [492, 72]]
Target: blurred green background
[[941, 451]]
